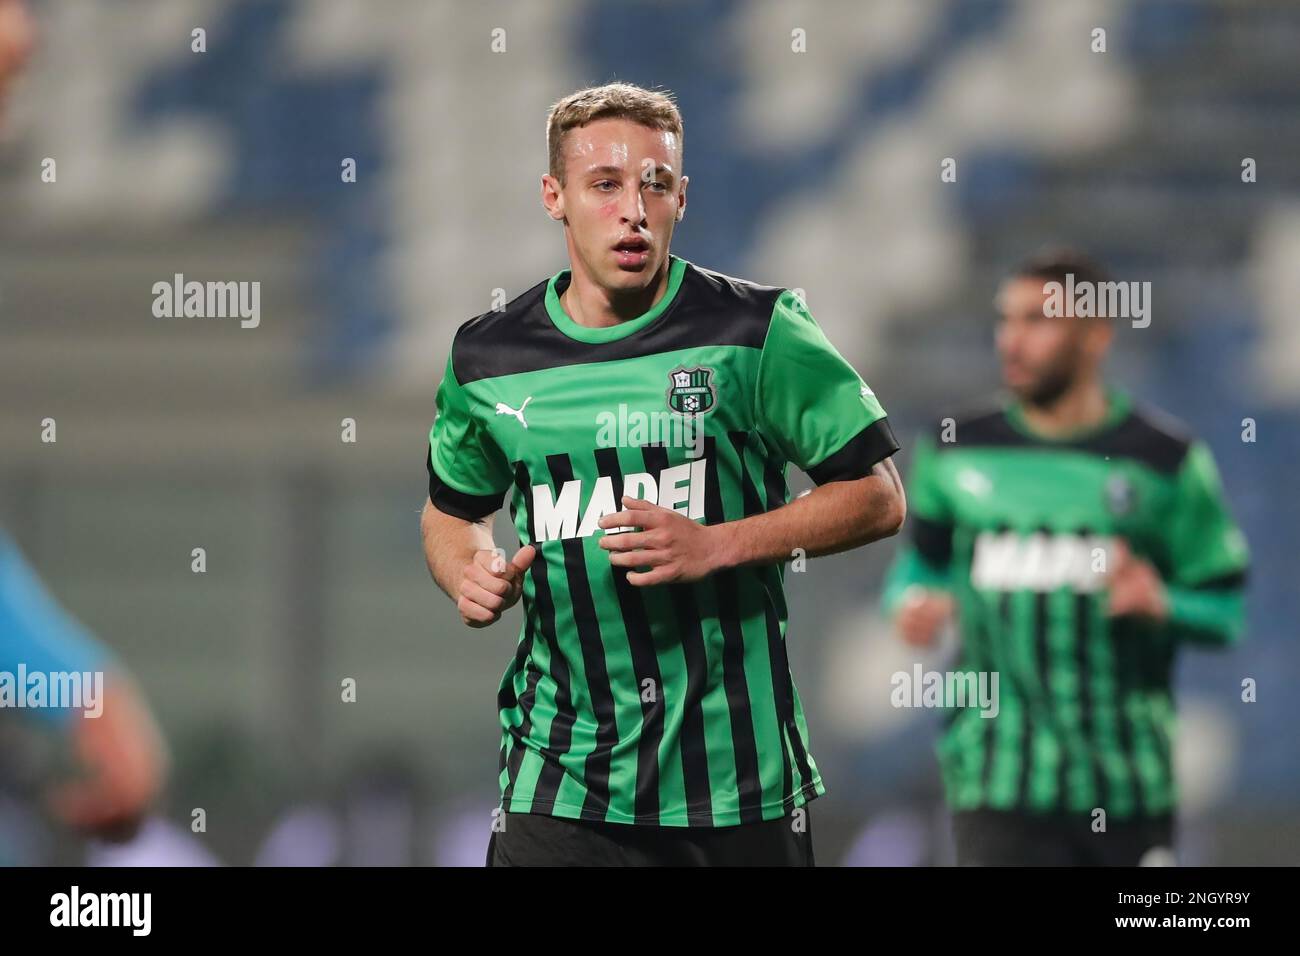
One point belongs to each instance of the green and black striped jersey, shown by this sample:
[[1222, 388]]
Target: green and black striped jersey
[[1020, 530], [664, 705]]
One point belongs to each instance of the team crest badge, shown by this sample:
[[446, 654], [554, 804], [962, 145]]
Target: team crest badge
[[691, 391], [1119, 495]]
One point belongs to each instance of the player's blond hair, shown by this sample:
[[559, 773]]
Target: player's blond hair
[[651, 108]]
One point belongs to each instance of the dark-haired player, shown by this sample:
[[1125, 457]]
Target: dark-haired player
[[1082, 542]]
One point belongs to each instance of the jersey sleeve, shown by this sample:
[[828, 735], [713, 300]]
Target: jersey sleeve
[[38, 635], [926, 558], [812, 406], [1208, 555], [468, 473]]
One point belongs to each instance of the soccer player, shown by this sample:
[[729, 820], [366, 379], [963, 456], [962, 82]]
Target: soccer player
[[1081, 541], [641, 410], [118, 752]]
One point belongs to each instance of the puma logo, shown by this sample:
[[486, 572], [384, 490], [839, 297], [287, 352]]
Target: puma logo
[[504, 409]]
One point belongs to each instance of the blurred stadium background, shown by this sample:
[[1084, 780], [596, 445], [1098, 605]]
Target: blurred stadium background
[[815, 170]]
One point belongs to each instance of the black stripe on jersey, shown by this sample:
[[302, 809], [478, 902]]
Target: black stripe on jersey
[[645, 665], [859, 454], [1143, 435], [458, 504], [932, 539], [736, 686], [561, 734], [1042, 664], [583, 606], [710, 309], [1125, 642], [775, 491], [782, 692], [1001, 633], [506, 697], [694, 744], [526, 701], [1083, 607]]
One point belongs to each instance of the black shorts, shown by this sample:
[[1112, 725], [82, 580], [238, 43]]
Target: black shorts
[[1009, 838], [526, 839]]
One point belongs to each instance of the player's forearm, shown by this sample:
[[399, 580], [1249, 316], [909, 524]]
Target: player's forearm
[[834, 517], [450, 543]]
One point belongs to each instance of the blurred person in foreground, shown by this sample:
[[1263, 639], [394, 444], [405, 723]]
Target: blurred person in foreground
[[1080, 541], [17, 38], [117, 751], [648, 713]]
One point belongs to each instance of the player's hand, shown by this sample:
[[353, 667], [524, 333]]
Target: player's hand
[[923, 614], [1135, 586], [671, 545], [122, 765], [490, 586]]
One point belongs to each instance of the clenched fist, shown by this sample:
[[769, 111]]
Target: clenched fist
[[490, 587], [922, 615]]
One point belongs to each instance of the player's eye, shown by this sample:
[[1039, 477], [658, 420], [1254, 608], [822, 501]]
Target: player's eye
[[603, 183]]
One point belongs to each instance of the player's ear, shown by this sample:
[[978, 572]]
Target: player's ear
[[552, 197], [681, 201]]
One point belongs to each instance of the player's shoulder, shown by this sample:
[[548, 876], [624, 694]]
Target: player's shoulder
[[477, 347], [735, 291], [980, 424], [1144, 434], [736, 311], [488, 326], [1152, 436]]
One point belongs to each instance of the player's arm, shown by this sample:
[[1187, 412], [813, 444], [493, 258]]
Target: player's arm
[[120, 759], [467, 477], [1203, 597], [834, 517], [814, 409], [918, 584]]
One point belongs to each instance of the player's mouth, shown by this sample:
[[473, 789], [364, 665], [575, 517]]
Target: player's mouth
[[632, 252]]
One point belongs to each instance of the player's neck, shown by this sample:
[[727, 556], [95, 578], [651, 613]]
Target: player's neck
[[1082, 407], [591, 305]]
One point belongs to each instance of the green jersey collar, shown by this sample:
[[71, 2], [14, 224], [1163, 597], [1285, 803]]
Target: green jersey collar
[[1118, 405], [583, 333]]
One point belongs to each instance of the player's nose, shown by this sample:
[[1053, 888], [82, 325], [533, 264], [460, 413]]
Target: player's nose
[[633, 210]]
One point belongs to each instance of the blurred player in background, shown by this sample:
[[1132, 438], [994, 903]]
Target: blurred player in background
[[118, 754], [648, 716], [1080, 542]]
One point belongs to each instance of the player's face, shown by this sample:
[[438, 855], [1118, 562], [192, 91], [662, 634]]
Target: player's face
[[1042, 356], [17, 36], [621, 198]]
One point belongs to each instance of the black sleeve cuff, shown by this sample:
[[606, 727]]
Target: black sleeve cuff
[[1232, 581], [458, 504], [859, 455]]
